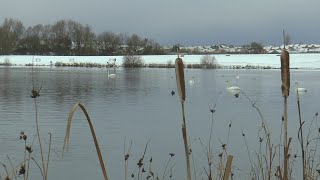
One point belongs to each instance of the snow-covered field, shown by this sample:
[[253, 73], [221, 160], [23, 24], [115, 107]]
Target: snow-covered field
[[301, 61]]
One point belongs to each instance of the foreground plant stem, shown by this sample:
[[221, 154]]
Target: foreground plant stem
[[285, 128], [67, 136], [185, 140], [39, 139], [301, 139]]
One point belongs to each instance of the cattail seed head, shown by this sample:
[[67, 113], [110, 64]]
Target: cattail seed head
[[285, 73], [180, 79]]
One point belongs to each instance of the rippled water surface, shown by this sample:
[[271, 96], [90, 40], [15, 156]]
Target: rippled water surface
[[138, 106]]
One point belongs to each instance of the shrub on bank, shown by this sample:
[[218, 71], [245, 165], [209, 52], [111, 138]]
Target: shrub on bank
[[6, 62], [209, 62], [132, 61]]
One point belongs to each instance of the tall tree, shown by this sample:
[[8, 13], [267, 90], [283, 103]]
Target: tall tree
[[10, 33], [31, 41], [134, 44], [60, 38], [109, 43], [89, 41]]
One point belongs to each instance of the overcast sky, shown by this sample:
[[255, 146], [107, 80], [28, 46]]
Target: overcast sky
[[188, 22]]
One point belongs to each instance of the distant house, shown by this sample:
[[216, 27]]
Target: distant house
[[314, 50], [274, 51], [220, 51]]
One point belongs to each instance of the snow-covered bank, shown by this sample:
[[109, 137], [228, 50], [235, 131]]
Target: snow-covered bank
[[301, 61]]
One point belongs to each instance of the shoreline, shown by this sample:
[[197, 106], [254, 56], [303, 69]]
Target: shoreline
[[242, 61], [158, 66]]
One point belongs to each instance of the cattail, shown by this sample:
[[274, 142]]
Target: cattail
[[182, 93], [285, 87], [285, 73], [285, 70], [180, 79]]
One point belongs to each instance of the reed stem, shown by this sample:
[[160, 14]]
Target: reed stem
[[227, 171], [38, 134], [13, 169], [67, 136], [301, 139], [186, 148], [25, 156], [46, 172], [286, 158]]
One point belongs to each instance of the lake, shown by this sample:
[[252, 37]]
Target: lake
[[138, 106]]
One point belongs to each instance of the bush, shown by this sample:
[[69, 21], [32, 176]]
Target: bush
[[170, 64], [132, 61], [6, 62], [208, 61]]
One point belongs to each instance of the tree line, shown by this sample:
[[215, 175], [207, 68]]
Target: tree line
[[68, 37]]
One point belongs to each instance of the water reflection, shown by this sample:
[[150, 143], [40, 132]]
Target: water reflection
[[5, 87], [132, 79], [138, 104]]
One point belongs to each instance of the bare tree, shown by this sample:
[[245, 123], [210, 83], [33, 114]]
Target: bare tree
[[10, 33], [208, 61], [109, 43], [134, 44], [60, 38]]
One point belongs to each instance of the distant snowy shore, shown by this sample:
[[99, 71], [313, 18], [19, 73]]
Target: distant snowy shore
[[300, 61]]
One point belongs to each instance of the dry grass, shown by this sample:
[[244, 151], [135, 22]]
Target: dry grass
[[227, 171], [67, 136]]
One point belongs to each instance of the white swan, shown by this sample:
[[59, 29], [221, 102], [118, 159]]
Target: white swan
[[233, 90], [111, 76], [299, 89], [232, 87], [191, 82]]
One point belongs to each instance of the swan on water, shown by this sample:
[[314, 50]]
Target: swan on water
[[111, 76], [191, 82], [233, 90], [232, 87]]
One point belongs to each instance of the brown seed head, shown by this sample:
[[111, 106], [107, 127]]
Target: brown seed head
[[126, 157], [180, 79], [285, 73], [140, 163], [29, 149], [22, 170]]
